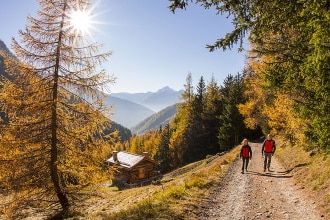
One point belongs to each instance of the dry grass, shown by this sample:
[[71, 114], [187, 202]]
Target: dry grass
[[174, 198], [310, 172]]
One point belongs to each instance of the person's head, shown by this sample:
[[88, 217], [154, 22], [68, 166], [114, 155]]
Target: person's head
[[269, 136], [245, 141]]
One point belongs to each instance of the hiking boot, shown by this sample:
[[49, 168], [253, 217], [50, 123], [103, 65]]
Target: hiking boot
[[242, 171], [264, 169]]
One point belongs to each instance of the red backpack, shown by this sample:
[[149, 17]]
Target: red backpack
[[269, 146], [245, 152]]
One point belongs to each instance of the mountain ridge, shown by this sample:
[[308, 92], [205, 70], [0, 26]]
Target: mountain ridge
[[155, 121], [155, 101], [125, 112], [133, 109]]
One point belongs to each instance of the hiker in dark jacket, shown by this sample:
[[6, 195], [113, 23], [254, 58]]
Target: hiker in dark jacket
[[246, 154], [268, 150]]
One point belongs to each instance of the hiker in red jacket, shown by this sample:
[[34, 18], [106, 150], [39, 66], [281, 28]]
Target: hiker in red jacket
[[246, 154], [268, 150]]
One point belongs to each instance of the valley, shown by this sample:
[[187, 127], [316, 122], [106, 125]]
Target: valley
[[132, 109]]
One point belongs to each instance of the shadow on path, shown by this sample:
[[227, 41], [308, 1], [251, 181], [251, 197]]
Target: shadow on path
[[296, 166], [270, 173]]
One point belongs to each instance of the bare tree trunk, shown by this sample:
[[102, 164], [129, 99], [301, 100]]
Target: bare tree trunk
[[54, 151]]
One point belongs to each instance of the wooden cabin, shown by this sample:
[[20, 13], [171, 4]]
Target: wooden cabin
[[133, 168]]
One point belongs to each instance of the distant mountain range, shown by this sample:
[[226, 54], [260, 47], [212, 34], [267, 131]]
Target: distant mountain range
[[155, 101], [131, 109], [127, 113]]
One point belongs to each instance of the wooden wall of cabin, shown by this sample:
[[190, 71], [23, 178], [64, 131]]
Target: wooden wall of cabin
[[142, 171]]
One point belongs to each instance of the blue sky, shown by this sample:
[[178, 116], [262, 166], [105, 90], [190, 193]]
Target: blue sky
[[151, 46]]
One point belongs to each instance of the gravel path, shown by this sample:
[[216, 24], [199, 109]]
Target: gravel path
[[257, 194]]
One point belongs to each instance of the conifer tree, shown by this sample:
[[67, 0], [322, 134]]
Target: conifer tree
[[179, 140], [163, 156], [212, 111], [196, 130], [52, 145], [232, 126], [192, 135]]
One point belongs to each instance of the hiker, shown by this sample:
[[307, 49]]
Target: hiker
[[268, 150], [246, 154]]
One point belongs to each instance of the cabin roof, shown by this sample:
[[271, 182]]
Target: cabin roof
[[128, 160]]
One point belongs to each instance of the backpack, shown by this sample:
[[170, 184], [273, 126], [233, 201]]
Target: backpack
[[269, 144], [245, 152]]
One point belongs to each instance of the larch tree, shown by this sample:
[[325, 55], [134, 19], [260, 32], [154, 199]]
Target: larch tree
[[52, 145], [179, 147], [145, 142], [256, 97]]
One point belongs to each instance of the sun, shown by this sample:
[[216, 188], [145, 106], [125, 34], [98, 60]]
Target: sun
[[81, 21]]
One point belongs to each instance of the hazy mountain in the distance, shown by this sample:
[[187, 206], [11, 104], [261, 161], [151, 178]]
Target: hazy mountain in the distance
[[155, 101], [155, 121], [130, 109], [127, 113], [132, 97]]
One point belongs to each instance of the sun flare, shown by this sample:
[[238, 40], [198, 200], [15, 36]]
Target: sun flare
[[81, 21]]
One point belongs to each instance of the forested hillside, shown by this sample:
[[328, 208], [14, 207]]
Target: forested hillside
[[207, 122], [287, 73], [155, 121]]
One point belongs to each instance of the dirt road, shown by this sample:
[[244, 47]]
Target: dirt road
[[257, 194]]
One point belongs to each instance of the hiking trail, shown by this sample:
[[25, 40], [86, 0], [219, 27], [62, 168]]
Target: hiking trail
[[257, 194]]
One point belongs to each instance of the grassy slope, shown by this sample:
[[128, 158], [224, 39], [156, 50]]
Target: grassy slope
[[311, 172], [173, 198]]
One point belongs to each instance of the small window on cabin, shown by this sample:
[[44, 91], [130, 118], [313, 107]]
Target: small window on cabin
[[141, 173]]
